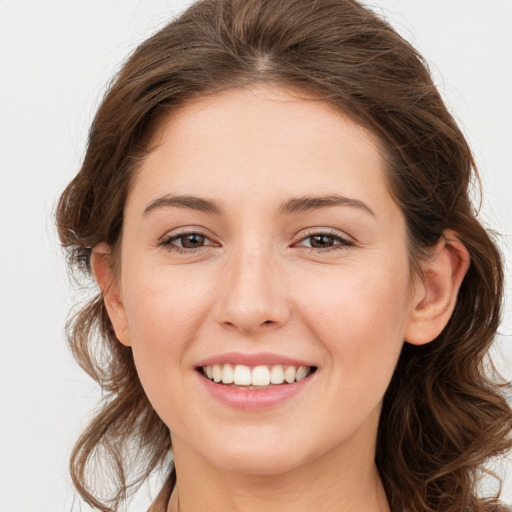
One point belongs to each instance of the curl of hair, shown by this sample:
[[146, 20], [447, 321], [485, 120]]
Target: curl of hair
[[444, 415]]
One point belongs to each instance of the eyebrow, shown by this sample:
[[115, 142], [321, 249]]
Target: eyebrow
[[288, 207], [194, 203], [302, 204]]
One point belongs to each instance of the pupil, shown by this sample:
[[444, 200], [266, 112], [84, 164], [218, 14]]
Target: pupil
[[192, 241], [321, 241]]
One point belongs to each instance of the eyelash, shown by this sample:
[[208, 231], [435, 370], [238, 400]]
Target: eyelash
[[342, 243], [167, 242]]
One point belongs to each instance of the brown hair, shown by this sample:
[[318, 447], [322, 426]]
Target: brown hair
[[443, 415]]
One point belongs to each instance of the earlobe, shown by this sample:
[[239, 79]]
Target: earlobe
[[436, 291], [108, 282]]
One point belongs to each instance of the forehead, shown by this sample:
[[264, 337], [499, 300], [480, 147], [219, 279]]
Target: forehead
[[263, 140]]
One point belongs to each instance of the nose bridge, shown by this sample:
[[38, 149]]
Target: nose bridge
[[253, 293]]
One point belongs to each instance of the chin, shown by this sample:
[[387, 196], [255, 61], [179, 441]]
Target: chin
[[262, 464], [257, 457]]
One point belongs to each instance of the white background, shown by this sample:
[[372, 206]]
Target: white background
[[55, 60]]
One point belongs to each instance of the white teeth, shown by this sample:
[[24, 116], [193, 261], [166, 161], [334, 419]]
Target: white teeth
[[262, 375], [217, 373], [301, 373], [277, 374], [242, 375], [289, 374], [227, 374]]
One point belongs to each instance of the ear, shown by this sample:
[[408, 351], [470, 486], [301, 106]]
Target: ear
[[102, 269], [435, 292]]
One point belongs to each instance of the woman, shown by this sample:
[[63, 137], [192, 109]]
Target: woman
[[295, 293]]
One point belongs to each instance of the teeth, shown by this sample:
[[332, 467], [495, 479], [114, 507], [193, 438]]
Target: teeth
[[260, 376], [277, 374], [301, 373], [217, 373], [228, 374], [242, 375], [263, 375], [289, 374]]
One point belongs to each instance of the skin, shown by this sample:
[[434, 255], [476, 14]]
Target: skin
[[259, 285]]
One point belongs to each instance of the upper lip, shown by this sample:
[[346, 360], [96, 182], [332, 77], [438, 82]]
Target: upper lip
[[260, 358]]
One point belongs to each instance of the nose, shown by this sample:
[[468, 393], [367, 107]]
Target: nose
[[252, 292]]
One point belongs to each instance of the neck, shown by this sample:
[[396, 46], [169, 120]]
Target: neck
[[340, 480], [257, 496]]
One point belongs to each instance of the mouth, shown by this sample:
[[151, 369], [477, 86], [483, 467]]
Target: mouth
[[255, 377]]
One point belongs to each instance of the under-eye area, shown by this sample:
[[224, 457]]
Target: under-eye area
[[255, 377]]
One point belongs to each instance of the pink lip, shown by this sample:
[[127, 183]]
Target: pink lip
[[265, 358], [255, 399]]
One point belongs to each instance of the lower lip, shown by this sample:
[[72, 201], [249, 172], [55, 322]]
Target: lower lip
[[254, 399]]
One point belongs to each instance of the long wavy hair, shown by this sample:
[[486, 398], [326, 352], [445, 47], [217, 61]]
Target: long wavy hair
[[445, 413]]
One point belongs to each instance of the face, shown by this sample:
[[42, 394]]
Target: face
[[260, 240]]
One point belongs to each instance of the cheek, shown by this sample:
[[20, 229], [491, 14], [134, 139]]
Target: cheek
[[360, 318], [164, 304], [165, 310]]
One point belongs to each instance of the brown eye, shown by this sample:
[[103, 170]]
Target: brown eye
[[322, 241], [186, 241], [192, 240]]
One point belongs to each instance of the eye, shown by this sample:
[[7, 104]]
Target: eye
[[186, 242], [325, 241]]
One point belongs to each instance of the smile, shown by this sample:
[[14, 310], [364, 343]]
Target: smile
[[256, 377], [255, 382]]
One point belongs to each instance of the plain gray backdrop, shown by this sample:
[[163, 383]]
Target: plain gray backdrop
[[56, 58]]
